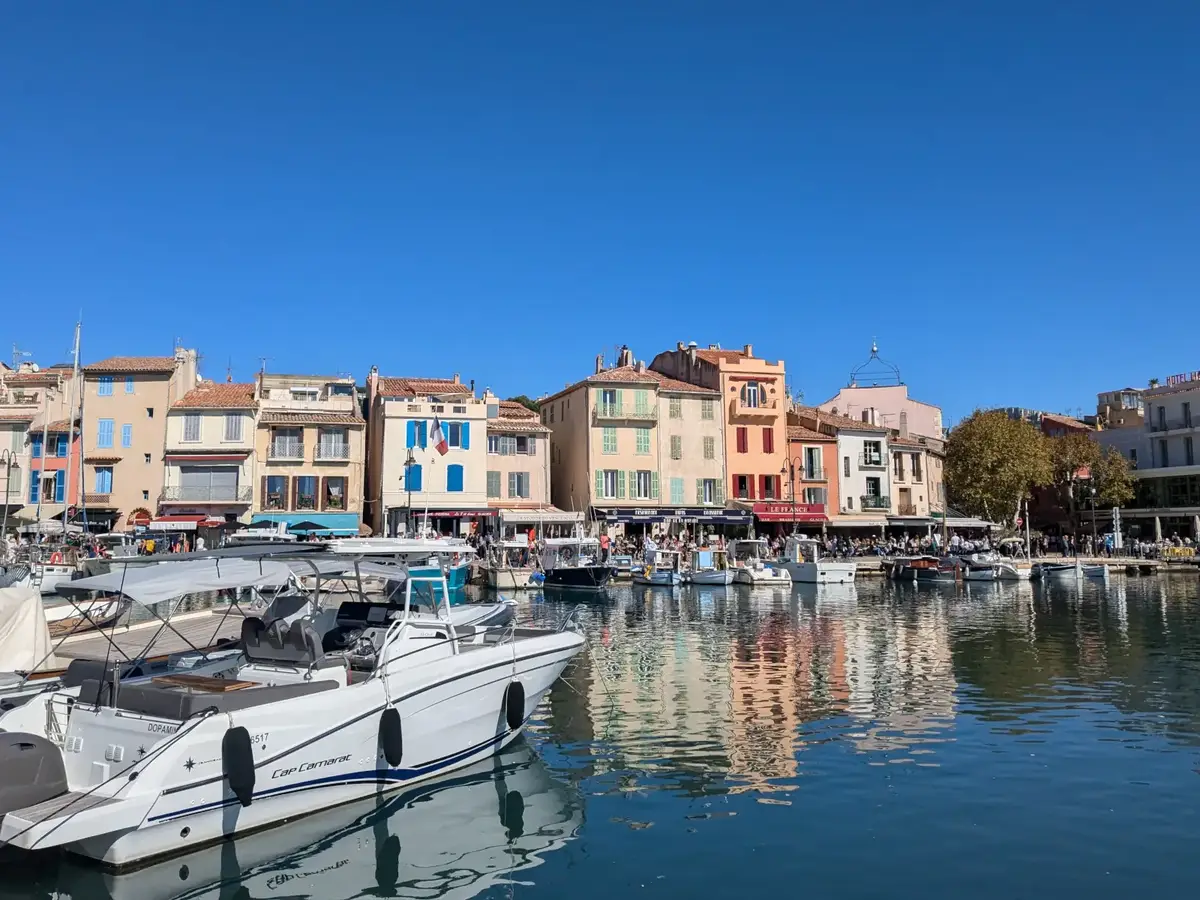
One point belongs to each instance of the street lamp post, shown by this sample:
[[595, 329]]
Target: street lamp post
[[7, 457], [791, 464], [1093, 486], [408, 467]]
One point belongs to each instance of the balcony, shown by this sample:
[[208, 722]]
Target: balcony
[[616, 412], [871, 461], [286, 450], [207, 494], [813, 474], [907, 509], [333, 452], [764, 407], [97, 500], [876, 501]]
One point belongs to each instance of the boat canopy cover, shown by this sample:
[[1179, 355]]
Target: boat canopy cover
[[24, 636], [382, 570], [148, 585]]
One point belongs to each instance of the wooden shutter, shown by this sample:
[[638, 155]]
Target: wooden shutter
[[322, 493], [620, 401], [699, 491], [654, 486], [599, 482], [262, 498], [749, 487], [620, 484], [719, 493], [60, 484], [768, 440]]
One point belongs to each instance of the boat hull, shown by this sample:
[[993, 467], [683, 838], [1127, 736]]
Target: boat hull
[[656, 579], [512, 579], [712, 577], [822, 572], [583, 578], [761, 577], [1007, 571]]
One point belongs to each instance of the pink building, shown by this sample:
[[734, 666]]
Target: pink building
[[877, 396]]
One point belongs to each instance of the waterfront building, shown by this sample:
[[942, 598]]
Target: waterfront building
[[863, 484], [752, 400], [1120, 409], [633, 445], [876, 394], [810, 478], [918, 491], [518, 471], [411, 485], [37, 443], [1167, 475], [310, 449], [210, 464], [125, 404]]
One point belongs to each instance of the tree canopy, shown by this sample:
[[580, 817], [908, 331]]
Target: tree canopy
[[526, 402], [992, 462]]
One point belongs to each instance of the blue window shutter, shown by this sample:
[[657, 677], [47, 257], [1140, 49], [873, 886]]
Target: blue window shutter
[[126, 435], [129, 384], [414, 478], [423, 434], [411, 433], [36, 444], [61, 449], [466, 435], [104, 434], [98, 482], [34, 481], [454, 478], [60, 485]]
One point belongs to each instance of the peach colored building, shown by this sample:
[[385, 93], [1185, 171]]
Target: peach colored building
[[753, 402], [811, 483], [125, 404]]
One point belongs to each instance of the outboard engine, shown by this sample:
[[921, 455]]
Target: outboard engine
[[33, 771]]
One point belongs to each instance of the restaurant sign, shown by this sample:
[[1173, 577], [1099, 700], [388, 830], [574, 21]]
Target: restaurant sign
[[790, 512], [655, 515]]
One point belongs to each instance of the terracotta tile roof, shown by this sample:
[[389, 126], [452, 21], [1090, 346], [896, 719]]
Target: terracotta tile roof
[[898, 441], [59, 427], [839, 421], [420, 387], [15, 415], [46, 376], [675, 386], [630, 375], [719, 356], [1068, 421], [800, 433], [280, 417], [101, 458], [517, 426], [218, 395], [510, 409], [164, 364]]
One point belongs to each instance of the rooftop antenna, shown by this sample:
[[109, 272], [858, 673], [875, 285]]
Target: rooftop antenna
[[229, 371], [262, 364], [876, 370], [17, 354]]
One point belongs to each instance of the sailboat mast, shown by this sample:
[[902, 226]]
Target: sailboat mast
[[45, 454], [71, 430]]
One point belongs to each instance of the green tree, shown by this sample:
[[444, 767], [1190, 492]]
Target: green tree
[[1073, 456], [526, 402], [992, 463], [1114, 482]]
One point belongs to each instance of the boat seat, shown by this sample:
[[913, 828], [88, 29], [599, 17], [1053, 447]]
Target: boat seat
[[180, 705], [277, 644], [80, 670]]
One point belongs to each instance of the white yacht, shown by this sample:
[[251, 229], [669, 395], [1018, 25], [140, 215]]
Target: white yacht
[[141, 770], [803, 562], [752, 564]]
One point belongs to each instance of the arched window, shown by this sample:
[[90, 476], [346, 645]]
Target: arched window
[[751, 392]]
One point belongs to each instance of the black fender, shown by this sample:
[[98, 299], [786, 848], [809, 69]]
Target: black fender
[[237, 756], [391, 736], [514, 704]]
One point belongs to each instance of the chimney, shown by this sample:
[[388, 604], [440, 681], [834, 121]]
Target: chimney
[[599, 363], [456, 379], [748, 350], [626, 358], [903, 424], [679, 346], [641, 367], [472, 387]]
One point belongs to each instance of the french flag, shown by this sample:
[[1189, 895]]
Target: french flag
[[439, 437]]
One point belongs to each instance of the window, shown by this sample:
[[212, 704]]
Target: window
[[610, 484], [306, 492], [708, 492], [105, 387], [1187, 415], [524, 445], [610, 403], [276, 492], [104, 434], [103, 481], [127, 436], [846, 466], [743, 487], [35, 444], [191, 428], [644, 485], [610, 440], [1162, 418], [675, 407], [849, 503], [710, 448], [814, 495], [549, 418], [34, 484], [454, 479], [677, 491], [812, 463], [750, 394], [743, 439], [145, 495], [129, 384], [457, 435], [459, 410], [518, 485], [898, 466], [872, 453], [706, 408], [149, 412], [233, 426], [767, 487], [146, 458], [1188, 458], [768, 440], [916, 466], [416, 434], [414, 477], [676, 447], [1163, 458], [493, 484], [1133, 457], [437, 408], [643, 441], [641, 403], [332, 444], [873, 487], [493, 445], [60, 445]]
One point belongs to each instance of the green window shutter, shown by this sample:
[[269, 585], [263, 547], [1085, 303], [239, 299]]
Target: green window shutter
[[719, 494], [620, 484], [653, 485], [620, 400], [599, 482], [699, 491]]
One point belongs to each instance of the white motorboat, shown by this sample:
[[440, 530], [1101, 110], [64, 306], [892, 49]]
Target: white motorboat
[[426, 558], [659, 568], [147, 770], [452, 838], [752, 564], [510, 566], [41, 568], [1013, 570], [709, 566], [981, 572], [803, 562]]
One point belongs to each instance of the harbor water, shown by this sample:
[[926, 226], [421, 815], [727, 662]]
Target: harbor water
[[881, 739]]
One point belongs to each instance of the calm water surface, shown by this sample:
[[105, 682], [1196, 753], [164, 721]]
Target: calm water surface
[[881, 740]]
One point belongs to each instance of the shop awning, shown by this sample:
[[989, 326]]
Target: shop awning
[[857, 522], [333, 524], [176, 523], [915, 521], [651, 515], [790, 512], [453, 513], [550, 516]]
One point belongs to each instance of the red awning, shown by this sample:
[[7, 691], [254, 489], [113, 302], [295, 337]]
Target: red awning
[[790, 512], [455, 513]]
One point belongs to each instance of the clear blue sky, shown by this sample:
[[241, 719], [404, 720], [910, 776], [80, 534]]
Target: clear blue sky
[[1005, 194]]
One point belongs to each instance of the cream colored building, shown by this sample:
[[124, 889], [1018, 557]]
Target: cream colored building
[[310, 444], [125, 404], [917, 486], [35, 443], [210, 464], [518, 471], [632, 445]]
